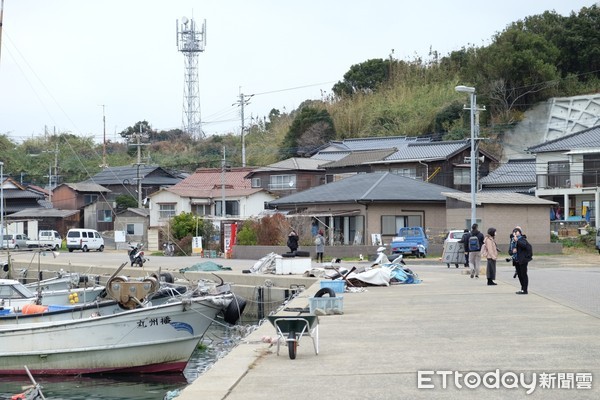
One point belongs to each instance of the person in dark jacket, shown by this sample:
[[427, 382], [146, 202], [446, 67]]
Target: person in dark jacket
[[518, 252], [475, 256], [292, 241], [465, 242]]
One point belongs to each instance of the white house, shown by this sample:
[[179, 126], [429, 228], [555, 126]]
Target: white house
[[202, 194]]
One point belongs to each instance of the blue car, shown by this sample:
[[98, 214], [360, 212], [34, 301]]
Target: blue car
[[410, 241]]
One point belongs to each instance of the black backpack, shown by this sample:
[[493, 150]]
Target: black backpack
[[528, 251]]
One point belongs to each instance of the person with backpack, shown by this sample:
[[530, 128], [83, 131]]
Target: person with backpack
[[490, 252], [474, 245], [465, 242], [320, 245], [521, 253]]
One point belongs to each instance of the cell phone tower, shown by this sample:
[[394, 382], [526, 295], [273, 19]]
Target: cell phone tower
[[191, 42]]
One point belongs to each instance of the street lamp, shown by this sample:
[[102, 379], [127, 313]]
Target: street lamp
[[471, 91]]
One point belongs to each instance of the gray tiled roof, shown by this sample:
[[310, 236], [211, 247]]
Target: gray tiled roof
[[359, 157], [330, 155], [579, 140], [373, 187], [371, 143], [499, 198], [150, 175], [429, 151], [43, 213], [87, 187], [292, 164], [514, 172]]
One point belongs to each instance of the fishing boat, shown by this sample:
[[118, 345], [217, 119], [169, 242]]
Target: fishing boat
[[142, 338], [151, 339], [14, 295]]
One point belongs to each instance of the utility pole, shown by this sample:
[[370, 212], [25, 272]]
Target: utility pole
[[51, 177], [244, 100], [223, 185], [138, 178], [104, 164]]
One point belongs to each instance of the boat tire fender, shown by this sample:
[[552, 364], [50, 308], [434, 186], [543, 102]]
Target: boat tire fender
[[234, 310], [325, 290]]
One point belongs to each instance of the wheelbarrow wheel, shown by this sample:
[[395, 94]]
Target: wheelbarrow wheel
[[292, 345]]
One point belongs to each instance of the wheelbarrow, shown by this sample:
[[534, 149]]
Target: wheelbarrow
[[292, 328]]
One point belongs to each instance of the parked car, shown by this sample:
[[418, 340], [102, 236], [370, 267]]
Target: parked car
[[8, 242], [410, 241], [84, 240], [50, 239], [15, 241]]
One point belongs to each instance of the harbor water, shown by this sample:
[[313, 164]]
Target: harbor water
[[217, 342]]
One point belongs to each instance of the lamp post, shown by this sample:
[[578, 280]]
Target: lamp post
[[473, 108]]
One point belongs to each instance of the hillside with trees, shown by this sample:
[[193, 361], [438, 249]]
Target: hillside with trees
[[530, 61]]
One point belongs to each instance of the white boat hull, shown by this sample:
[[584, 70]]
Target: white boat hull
[[154, 339]]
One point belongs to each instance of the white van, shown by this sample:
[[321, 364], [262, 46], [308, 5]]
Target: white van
[[84, 240]]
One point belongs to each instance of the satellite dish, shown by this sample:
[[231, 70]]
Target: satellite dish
[[184, 20]]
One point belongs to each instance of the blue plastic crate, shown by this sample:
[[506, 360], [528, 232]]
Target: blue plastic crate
[[338, 286], [330, 305]]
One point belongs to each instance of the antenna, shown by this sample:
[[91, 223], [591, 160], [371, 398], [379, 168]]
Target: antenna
[[191, 42]]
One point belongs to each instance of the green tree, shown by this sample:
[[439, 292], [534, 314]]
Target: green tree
[[364, 77], [126, 201], [311, 128], [187, 224], [246, 236], [516, 70]]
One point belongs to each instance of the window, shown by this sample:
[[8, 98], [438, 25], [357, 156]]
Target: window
[[256, 182], [558, 174], [104, 216], [166, 211], [201, 209], [407, 172], [390, 224], [89, 198], [135, 229], [232, 207], [462, 176], [282, 182]]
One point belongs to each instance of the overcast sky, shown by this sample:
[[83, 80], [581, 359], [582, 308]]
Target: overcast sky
[[62, 59]]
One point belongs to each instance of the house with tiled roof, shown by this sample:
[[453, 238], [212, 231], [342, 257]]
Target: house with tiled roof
[[504, 211], [93, 203], [568, 172], [350, 210], [125, 179], [203, 193], [18, 197], [288, 176], [357, 209], [445, 163], [513, 176]]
